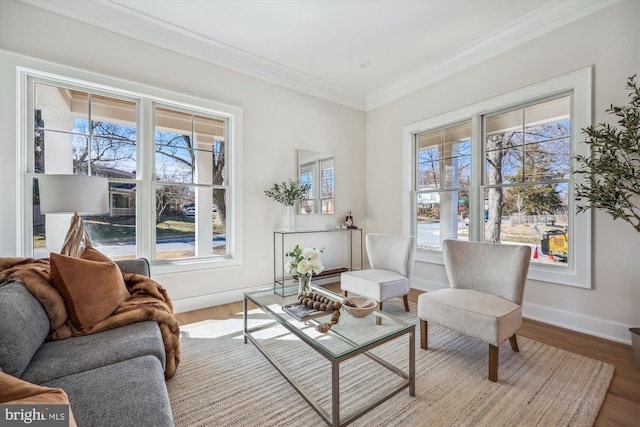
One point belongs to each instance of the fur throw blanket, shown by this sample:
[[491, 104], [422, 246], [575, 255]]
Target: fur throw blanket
[[149, 301]]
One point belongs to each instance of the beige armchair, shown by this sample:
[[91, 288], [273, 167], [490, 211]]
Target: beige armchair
[[391, 260], [484, 300]]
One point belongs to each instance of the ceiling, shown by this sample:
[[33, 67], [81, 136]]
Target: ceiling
[[360, 53]]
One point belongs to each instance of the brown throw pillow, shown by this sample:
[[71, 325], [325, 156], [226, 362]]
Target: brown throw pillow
[[92, 286], [19, 392]]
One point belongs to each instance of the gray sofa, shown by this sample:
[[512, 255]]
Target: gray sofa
[[113, 378]]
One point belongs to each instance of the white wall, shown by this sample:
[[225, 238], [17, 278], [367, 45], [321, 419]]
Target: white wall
[[610, 42], [277, 121]]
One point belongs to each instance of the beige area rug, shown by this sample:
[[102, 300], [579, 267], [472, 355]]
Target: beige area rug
[[223, 382]]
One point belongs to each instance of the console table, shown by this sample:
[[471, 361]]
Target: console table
[[282, 281]]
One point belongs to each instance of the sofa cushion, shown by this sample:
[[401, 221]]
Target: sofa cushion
[[128, 393], [92, 286], [59, 358], [24, 325], [14, 391]]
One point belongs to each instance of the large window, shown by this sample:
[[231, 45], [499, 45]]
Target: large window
[[442, 180], [500, 171], [190, 184], [527, 177], [79, 132], [168, 164]]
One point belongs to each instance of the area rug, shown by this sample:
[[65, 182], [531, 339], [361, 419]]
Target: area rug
[[223, 382]]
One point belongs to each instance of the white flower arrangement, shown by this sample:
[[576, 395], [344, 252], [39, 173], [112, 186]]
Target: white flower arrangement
[[304, 261]]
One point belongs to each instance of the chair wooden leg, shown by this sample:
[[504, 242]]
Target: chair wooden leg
[[514, 343], [345, 293], [493, 362], [379, 319], [406, 302], [424, 334]]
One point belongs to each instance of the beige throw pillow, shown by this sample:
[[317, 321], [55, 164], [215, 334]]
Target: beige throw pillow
[[92, 286]]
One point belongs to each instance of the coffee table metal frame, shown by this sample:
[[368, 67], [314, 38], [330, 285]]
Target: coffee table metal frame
[[334, 418]]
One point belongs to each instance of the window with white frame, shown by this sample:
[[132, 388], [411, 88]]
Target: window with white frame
[[190, 184], [527, 176], [500, 171], [168, 165], [442, 180], [83, 133]]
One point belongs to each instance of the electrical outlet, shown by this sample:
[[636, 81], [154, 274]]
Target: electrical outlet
[[263, 262]]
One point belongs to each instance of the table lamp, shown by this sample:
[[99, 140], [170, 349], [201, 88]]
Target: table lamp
[[74, 194]]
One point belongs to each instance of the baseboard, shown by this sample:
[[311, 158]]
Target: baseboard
[[426, 285], [199, 302], [575, 322]]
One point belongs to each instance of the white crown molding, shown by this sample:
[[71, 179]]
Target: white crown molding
[[529, 27], [124, 21]]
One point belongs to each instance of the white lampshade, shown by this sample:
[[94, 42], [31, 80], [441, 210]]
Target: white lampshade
[[73, 193]]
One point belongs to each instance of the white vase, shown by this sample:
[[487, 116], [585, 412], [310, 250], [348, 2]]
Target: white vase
[[289, 218]]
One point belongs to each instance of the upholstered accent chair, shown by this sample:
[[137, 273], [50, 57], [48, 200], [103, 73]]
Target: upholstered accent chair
[[391, 260], [484, 299]]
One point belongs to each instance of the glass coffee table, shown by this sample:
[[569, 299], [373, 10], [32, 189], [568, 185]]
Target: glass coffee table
[[348, 338]]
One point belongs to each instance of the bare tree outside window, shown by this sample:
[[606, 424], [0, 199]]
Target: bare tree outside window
[[496, 148], [107, 149], [528, 170], [442, 178], [190, 173], [81, 133], [100, 136]]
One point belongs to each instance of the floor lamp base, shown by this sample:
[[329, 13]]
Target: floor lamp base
[[77, 238]]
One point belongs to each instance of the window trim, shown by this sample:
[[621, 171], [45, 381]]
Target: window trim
[[146, 97], [579, 84]]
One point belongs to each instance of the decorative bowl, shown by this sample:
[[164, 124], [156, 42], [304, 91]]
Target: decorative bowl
[[359, 306]]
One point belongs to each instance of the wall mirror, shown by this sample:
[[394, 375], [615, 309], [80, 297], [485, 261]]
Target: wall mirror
[[316, 168]]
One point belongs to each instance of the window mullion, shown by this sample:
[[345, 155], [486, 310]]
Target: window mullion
[[476, 190], [25, 161], [523, 176], [145, 204], [414, 186], [89, 135]]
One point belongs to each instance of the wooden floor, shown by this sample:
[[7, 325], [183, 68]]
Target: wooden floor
[[621, 407]]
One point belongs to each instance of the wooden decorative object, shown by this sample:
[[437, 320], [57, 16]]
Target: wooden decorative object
[[77, 238], [321, 302]]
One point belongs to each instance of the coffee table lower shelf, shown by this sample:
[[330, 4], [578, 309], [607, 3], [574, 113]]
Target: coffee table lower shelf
[[334, 418]]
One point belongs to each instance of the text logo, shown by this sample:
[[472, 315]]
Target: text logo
[[12, 415]]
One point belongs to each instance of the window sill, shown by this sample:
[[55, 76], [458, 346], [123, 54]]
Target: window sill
[[185, 265], [542, 273]]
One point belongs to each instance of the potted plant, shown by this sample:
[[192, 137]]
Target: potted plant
[[287, 193], [612, 171]]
